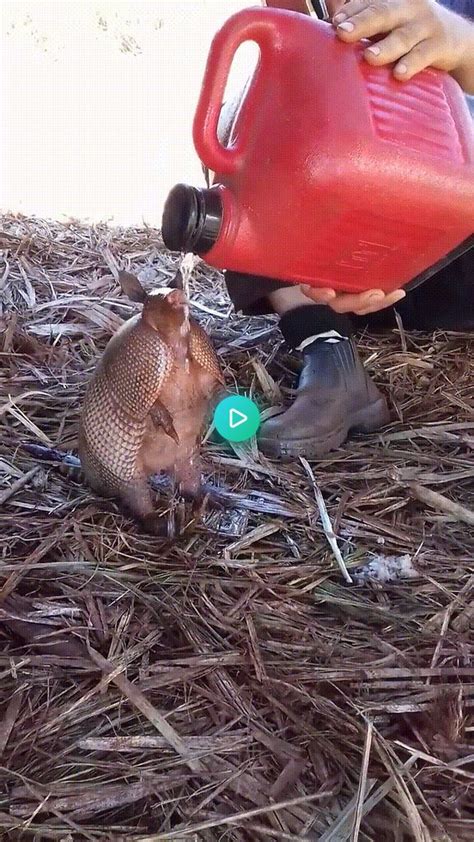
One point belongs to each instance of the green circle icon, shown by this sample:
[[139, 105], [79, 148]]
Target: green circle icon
[[237, 418]]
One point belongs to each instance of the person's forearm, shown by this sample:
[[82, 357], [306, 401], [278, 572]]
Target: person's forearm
[[464, 74]]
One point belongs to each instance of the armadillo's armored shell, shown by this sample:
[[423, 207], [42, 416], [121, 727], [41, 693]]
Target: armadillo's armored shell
[[109, 439], [126, 384], [136, 373], [202, 351]]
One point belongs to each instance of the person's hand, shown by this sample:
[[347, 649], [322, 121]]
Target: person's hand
[[359, 303], [418, 34]]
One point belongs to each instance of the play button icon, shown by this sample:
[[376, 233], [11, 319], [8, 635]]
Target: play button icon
[[237, 418]]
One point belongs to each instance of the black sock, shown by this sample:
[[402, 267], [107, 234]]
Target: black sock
[[312, 323]]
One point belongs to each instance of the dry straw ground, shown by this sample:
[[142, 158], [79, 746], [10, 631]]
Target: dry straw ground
[[229, 685]]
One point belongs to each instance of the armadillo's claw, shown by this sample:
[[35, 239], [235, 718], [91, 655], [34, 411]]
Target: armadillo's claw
[[161, 418], [170, 431], [202, 501]]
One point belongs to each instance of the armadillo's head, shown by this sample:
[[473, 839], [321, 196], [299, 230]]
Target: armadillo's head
[[165, 310]]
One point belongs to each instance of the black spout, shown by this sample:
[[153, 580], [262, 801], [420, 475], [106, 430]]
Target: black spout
[[191, 219]]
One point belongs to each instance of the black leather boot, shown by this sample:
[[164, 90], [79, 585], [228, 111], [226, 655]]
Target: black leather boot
[[335, 397]]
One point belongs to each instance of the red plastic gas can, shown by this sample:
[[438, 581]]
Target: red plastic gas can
[[334, 173]]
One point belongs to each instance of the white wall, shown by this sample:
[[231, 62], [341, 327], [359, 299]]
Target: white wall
[[98, 100]]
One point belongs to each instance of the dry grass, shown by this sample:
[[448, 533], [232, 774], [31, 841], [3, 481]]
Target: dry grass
[[231, 685]]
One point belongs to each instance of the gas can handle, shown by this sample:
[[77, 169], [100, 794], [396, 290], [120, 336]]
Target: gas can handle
[[251, 24]]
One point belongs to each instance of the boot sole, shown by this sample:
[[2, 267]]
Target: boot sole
[[366, 420]]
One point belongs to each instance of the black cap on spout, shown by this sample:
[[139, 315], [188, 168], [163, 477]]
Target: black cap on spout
[[191, 219]]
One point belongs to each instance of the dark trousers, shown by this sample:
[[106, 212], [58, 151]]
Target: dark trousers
[[445, 301]]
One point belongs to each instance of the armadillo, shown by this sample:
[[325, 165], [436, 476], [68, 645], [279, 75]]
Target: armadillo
[[147, 402]]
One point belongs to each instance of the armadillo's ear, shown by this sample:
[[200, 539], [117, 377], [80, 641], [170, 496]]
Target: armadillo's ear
[[132, 286], [177, 282]]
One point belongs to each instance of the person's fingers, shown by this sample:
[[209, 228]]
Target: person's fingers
[[424, 54], [341, 302], [319, 296], [353, 7], [361, 303], [396, 45], [334, 6], [389, 301], [351, 303], [374, 18]]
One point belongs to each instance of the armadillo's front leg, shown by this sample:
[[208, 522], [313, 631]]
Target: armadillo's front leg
[[161, 417], [136, 497]]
